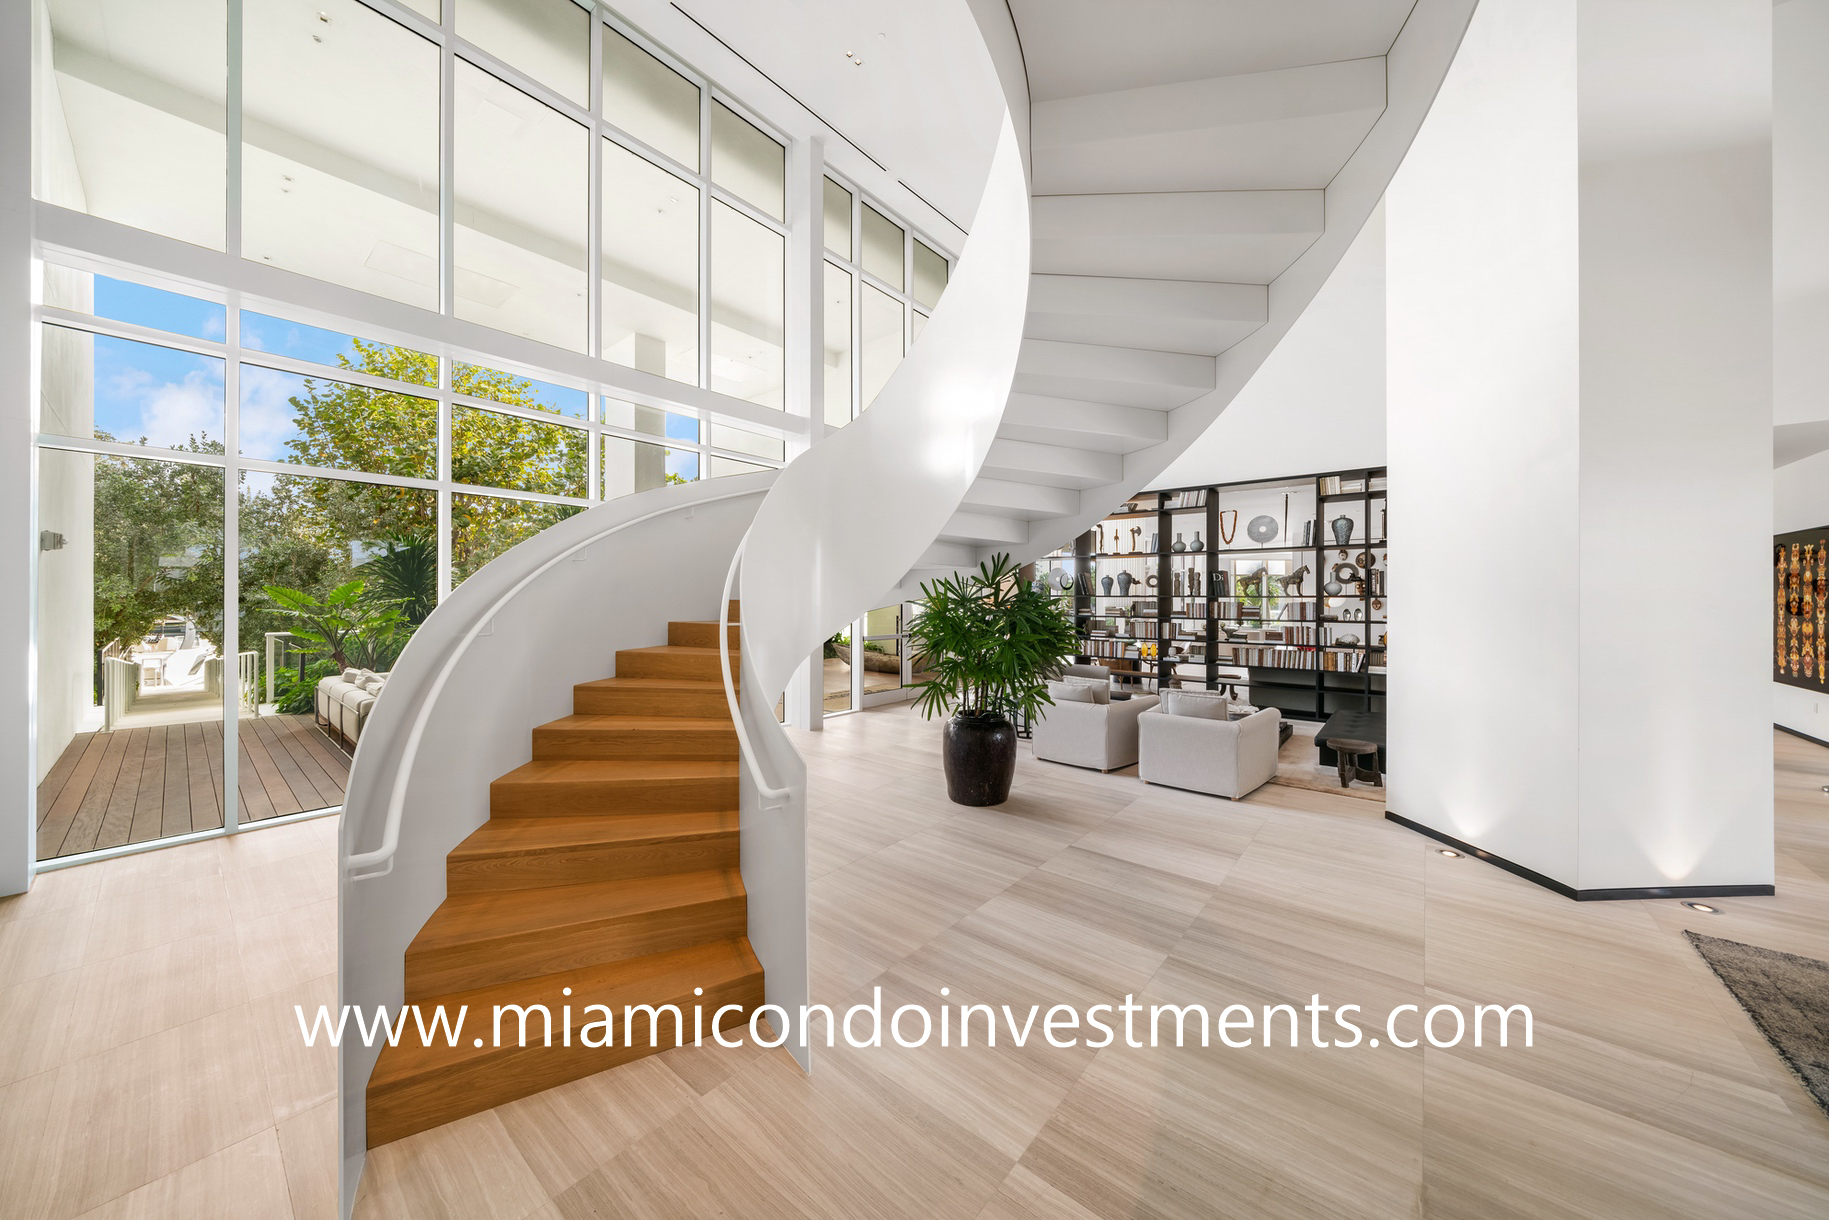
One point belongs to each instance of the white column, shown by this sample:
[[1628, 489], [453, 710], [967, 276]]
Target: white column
[[18, 538], [1579, 383], [1800, 297]]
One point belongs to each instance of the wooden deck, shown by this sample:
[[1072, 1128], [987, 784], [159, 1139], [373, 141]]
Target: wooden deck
[[137, 784]]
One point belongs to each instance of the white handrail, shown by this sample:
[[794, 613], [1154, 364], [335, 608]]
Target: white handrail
[[769, 793], [396, 801]]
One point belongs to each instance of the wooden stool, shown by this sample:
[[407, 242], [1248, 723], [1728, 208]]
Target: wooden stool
[[1347, 753]]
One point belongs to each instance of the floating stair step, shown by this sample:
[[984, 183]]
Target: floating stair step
[[671, 661], [493, 937], [414, 1087], [687, 697], [637, 737], [702, 635], [570, 788], [524, 853]]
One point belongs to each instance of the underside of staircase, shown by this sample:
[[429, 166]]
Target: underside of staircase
[[1181, 161], [609, 866]]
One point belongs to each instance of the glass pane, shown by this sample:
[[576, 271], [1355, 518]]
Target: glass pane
[[483, 527], [746, 307], [742, 440], [837, 358], [930, 273], [130, 675], [490, 449], [522, 209], [127, 114], [882, 247], [717, 467], [649, 100], [884, 621], [837, 673], [301, 538], [550, 40], [882, 658], [425, 8], [138, 304], [838, 220], [339, 171], [137, 393], [748, 162], [315, 421], [497, 386], [632, 466], [651, 420], [918, 664], [328, 347], [882, 327], [650, 267], [917, 321]]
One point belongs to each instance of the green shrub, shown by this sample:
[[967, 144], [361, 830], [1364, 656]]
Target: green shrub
[[294, 696]]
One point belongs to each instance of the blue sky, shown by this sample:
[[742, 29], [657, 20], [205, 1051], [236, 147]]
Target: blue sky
[[167, 396]]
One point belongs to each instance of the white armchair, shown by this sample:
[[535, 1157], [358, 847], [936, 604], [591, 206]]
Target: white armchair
[[1098, 735], [1230, 758]]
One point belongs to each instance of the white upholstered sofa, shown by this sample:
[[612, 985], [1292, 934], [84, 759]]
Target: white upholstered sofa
[[1230, 758], [344, 701], [1100, 735]]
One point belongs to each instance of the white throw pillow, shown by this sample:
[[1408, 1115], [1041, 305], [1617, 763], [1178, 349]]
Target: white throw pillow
[[1100, 687], [1070, 692], [1204, 705]]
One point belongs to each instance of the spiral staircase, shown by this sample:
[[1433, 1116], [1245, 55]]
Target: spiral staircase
[[1169, 192]]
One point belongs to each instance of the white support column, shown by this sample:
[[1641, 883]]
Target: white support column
[[1579, 422], [18, 532]]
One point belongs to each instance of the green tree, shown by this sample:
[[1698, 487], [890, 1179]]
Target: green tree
[[158, 545]]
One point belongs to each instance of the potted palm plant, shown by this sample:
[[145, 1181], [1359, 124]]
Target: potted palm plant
[[993, 641]]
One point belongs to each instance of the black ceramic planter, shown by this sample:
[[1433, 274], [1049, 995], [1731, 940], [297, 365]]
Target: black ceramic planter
[[980, 758]]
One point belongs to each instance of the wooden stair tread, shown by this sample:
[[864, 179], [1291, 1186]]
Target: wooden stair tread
[[506, 835], [654, 978], [464, 919], [617, 722], [654, 684], [618, 770]]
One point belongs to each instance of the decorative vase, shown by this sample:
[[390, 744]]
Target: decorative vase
[[1197, 544], [1105, 585], [980, 759], [1179, 544], [1125, 580], [1333, 588], [1343, 529]]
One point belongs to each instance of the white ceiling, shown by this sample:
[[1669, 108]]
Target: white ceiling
[[1076, 47]]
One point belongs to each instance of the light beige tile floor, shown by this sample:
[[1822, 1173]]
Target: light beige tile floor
[[148, 1065]]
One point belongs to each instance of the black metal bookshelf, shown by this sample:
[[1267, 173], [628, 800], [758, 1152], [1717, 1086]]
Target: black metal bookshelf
[[1293, 676]]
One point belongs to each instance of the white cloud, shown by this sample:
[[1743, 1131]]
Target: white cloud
[[266, 416]]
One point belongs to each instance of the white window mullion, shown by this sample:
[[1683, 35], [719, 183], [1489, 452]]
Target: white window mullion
[[231, 571], [594, 195], [705, 195], [231, 128], [445, 366], [447, 166]]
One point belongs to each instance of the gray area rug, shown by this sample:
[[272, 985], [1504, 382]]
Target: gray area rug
[[1788, 998]]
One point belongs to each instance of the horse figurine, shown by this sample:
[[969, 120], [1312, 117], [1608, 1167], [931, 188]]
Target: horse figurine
[[1292, 583]]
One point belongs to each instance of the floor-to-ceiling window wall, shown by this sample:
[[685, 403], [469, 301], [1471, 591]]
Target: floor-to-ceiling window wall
[[881, 283], [240, 494], [553, 270]]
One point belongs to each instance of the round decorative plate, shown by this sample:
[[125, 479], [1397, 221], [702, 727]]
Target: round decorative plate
[[1063, 579], [1262, 529]]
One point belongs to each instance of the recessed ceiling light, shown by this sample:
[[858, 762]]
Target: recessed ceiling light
[[1449, 852], [1703, 907]]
